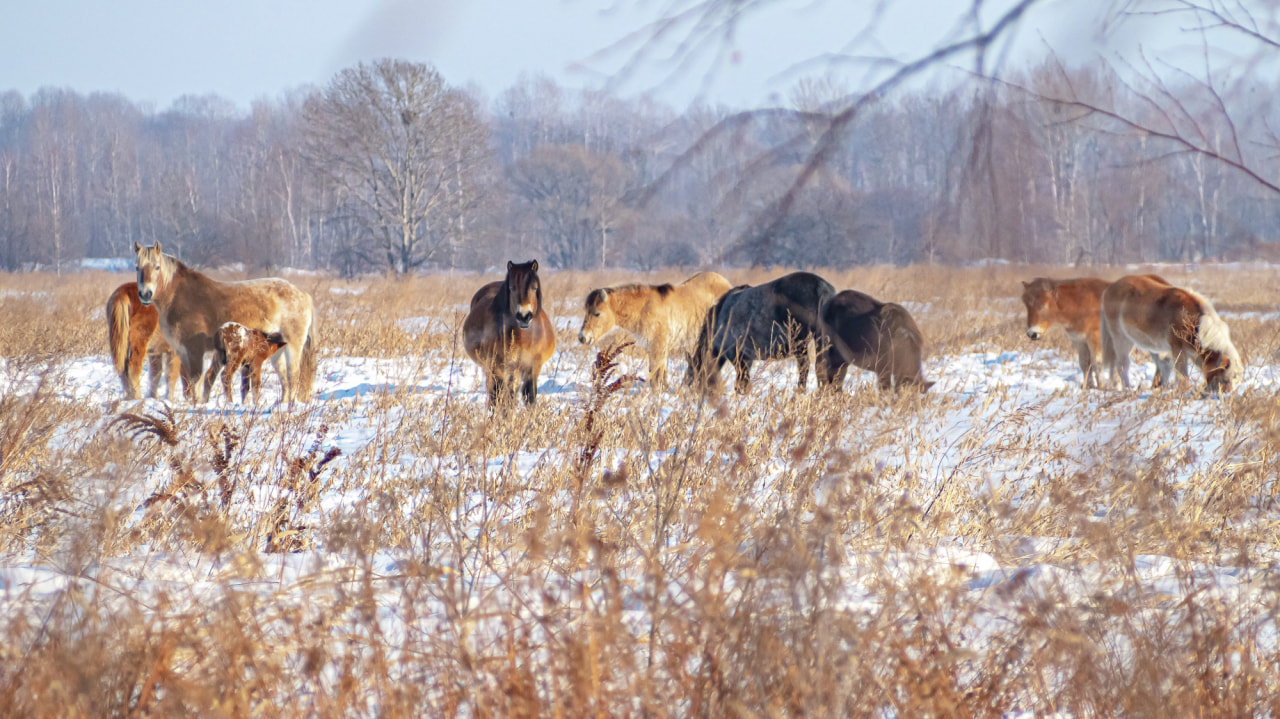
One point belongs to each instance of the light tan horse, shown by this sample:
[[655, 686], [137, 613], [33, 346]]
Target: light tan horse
[[1172, 324], [660, 318], [1076, 305], [132, 337], [193, 307], [508, 333]]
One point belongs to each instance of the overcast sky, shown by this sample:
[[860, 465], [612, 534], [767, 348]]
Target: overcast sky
[[158, 50]]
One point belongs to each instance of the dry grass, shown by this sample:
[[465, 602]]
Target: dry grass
[[619, 553]]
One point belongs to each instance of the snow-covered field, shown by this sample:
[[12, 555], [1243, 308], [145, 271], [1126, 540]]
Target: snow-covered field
[[436, 514]]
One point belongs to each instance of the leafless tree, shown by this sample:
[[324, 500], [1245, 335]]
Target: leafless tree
[[400, 144]]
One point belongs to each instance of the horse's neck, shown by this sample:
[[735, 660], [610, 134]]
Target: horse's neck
[[630, 310], [189, 280]]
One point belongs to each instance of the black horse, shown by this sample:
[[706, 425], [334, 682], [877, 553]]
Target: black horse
[[771, 321]]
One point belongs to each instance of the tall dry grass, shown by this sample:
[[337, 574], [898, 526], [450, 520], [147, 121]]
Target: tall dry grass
[[620, 553]]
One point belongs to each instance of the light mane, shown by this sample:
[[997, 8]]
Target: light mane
[[1213, 334]]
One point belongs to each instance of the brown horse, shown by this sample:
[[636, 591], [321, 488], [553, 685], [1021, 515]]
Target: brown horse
[[508, 333], [1172, 324], [131, 334], [1075, 304], [877, 336], [193, 307], [661, 318], [237, 347]]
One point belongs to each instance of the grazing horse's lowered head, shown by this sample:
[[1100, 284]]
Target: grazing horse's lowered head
[[599, 317], [524, 292], [154, 271]]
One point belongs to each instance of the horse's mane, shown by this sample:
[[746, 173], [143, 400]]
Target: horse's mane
[[597, 296], [1213, 334]]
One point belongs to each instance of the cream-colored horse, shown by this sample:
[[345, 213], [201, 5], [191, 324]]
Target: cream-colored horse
[[1171, 323], [193, 307], [661, 318]]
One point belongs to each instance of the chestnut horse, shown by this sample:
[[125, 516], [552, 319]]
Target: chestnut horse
[[1075, 304], [1172, 324], [877, 336], [508, 333], [193, 307], [236, 347], [132, 337], [661, 318]]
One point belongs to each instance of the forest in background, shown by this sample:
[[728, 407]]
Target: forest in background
[[389, 168]]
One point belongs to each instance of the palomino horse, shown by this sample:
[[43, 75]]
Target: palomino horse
[[661, 318], [237, 347], [508, 333], [877, 336], [1075, 304], [193, 307], [772, 321], [1172, 324], [131, 334]]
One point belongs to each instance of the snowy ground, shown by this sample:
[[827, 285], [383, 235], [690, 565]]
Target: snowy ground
[[994, 400]]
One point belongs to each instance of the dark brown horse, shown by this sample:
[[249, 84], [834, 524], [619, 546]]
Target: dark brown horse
[[132, 336], [508, 333], [877, 336]]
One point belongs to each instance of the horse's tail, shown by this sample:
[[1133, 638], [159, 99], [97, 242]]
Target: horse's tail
[[118, 327], [307, 372]]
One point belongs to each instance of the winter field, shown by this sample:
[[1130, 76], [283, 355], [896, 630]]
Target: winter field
[[1005, 545]]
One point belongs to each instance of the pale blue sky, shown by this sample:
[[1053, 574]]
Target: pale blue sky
[[157, 50]]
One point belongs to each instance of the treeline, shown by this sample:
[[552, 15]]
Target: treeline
[[389, 168]]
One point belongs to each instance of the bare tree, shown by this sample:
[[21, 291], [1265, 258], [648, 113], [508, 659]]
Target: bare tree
[[400, 143]]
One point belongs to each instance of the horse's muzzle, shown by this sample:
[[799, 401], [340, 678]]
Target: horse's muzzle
[[1034, 333], [582, 337], [146, 297], [523, 320]]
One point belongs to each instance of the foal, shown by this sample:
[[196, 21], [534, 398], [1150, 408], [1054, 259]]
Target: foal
[[1075, 304], [237, 347]]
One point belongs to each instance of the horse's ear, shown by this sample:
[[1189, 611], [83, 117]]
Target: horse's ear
[[1025, 285], [535, 266], [156, 247], [137, 248], [510, 265]]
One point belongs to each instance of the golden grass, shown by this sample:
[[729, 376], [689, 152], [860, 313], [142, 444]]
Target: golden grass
[[625, 553]]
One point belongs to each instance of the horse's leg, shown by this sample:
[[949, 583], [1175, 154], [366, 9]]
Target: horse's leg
[[173, 372], [1164, 371], [132, 376], [1108, 352], [206, 383], [529, 385], [802, 364], [191, 355], [1085, 355], [155, 373], [251, 381], [658, 366], [742, 382], [286, 362]]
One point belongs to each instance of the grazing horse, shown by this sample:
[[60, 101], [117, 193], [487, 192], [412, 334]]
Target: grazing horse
[[661, 318], [508, 333], [771, 321], [237, 347], [1172, 324], [193, 307], [877, 336], [1075, 304], [131, 334]]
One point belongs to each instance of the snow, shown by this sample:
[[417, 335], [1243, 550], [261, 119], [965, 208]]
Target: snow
[[997, 401]]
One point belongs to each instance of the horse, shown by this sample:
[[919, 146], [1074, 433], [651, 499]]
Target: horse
[[1075, 304], [193, 307], [236, 347], [1172, 323], [660, 318], [132, 337], [877, 336], [508, 333], [771, 321]]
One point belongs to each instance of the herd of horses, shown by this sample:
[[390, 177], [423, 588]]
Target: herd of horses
[[173, 315]]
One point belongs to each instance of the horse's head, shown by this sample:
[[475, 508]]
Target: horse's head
[[524, 291], [1041, 299], [1222, 370], [599, 317], [152, 271]]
